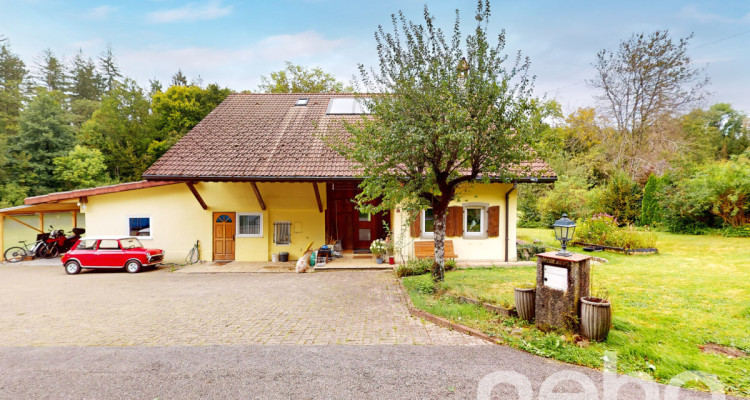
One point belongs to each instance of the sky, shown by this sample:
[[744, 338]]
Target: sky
[[233, 42]]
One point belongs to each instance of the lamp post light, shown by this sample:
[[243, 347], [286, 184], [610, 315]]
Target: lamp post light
[[564, 228]]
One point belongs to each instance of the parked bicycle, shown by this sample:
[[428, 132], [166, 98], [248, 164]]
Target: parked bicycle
[[19, 253]]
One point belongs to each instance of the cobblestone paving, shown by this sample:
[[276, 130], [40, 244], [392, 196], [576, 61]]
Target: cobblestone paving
[[42, 306]]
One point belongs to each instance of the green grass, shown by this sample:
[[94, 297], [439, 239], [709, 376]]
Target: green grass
[[695, 291]]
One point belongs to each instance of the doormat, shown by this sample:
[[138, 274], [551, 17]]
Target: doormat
[[362, 256]]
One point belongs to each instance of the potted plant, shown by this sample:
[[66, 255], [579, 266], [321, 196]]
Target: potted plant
[[596, 316], [525, 296], [378, 248]]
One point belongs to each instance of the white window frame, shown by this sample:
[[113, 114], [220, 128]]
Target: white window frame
[[482, 220], [422, 221], [150, 225], [240, 214]]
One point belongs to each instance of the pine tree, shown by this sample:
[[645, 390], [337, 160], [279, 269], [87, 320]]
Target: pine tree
[[179, 79], [50, 72], [12, 75], [110, 70], [85, 80]]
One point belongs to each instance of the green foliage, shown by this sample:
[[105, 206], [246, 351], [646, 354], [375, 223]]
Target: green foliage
[[651, 211], [85, 80], [527, 251], [620, 197], [603, 229], [12, 194], [12, 75], [44, 133], [570, 196], [298, 79], [414, 266], [715, 194], [82, 168], [122, 129], [180, 108]]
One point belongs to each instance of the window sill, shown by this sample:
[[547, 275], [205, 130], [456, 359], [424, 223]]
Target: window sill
[[248, 236], [478, 236], [429, 236]]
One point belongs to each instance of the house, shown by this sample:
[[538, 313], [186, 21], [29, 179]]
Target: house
[[253, 179]]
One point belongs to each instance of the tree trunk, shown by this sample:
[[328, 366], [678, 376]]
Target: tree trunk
[[438, 266]]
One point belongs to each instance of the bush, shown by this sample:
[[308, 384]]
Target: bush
[[417, 266], [621, 197], [602, 229], [651, 210], [527, 251], [569, 196]]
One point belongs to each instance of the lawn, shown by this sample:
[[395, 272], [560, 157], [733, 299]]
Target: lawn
[[695, 291]]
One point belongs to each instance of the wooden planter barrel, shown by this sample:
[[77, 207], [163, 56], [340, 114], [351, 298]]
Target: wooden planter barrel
[[525, 303], [596, 318]]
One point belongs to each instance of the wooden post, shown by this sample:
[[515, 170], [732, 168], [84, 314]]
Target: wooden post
[[75, 218], [317, 197], [258, 196], [41, 221]]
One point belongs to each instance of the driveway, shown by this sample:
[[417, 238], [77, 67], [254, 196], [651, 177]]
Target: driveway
[[42, 306]]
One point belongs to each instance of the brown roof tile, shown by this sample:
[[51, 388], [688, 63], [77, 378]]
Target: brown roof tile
[[264, 136]]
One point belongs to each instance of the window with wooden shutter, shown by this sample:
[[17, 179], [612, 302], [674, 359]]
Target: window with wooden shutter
[[416, 225], [493, 227], [453, 221]]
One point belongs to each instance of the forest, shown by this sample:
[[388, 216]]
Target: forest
[[648, 151]]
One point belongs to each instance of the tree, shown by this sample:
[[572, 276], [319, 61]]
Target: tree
[[179, 79], [449, 114], [82, 167], [644, 85], [122, 129], [731, 136], [12, 75], [85, 81], [50, 72], [651, 211], [110, 70], [44, 133], [297, 79]]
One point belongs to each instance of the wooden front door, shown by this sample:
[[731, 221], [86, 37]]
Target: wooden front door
[[224, 236], [344, 222]]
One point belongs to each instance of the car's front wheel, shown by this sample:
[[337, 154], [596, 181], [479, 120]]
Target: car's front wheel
[[133, 266], [72, 267]]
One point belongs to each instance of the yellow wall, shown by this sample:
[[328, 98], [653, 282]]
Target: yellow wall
[[177, 220], [472, 249]]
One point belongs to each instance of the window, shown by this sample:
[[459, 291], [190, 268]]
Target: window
[[474, 221], [282, 232], [130, 244], [428, 221], [140, 225], [302, 101], [363, 216], [86, 244], [250, 225], [347, 106], [108, 244]]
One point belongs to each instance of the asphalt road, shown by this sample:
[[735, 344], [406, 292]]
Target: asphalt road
[[288, 372]]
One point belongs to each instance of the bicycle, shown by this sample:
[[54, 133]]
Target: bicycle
[[19, 253], [193, 255]]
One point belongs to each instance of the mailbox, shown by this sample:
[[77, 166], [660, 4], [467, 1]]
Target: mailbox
[[556, 277]]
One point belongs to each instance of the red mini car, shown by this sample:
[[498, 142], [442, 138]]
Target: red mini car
[[110, 252]]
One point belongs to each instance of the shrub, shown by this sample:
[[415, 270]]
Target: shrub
[[415, 266], [651, 210], [621, 197], [569, 196], [527, 251], [602, 229]]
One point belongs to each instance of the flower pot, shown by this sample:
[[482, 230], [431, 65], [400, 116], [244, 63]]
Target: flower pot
[[275, 257], [596, 318], [391, 260], [379, 259], [283, 256], [525, 302]]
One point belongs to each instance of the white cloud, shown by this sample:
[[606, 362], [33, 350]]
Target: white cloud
[[692, 13], [240, 68], [99, 13], [191, 12]]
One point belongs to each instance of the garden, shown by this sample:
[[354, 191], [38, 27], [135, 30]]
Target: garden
[[685, 308]]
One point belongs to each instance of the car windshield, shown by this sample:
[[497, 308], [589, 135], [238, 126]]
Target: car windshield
[[130, 243]]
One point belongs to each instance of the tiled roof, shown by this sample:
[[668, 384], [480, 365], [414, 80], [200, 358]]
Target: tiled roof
[[94, 191], [264, 136]]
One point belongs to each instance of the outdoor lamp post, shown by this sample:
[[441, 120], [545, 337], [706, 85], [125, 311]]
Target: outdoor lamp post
[[564, 228]]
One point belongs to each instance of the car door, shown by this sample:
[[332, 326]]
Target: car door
[[109, 254], [85, 252]]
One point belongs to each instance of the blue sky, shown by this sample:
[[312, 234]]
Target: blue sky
[[233, 42]]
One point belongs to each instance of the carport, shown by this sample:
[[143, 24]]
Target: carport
[[12, 213]]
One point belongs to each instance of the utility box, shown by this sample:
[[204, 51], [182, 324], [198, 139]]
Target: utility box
[[561, 282]]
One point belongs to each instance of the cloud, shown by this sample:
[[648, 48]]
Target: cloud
[[99, 13], [692, 13], [239, 68], [191, 12]]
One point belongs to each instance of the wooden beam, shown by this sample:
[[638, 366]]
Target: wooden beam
[[197, 195], [74, 214], [258, 196], [2, 234], [317, 197], [41, 221], [23, 223]]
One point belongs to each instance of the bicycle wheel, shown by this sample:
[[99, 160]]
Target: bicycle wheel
[[47, 251], [15, 254]]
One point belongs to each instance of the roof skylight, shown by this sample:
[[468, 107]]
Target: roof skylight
[[302, 101], [347, 106]]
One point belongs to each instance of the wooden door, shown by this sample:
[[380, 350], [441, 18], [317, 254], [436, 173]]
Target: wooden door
[[224, 236], [366, 231]]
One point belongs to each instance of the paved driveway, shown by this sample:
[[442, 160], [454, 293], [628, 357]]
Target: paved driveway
[[42, 306]]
